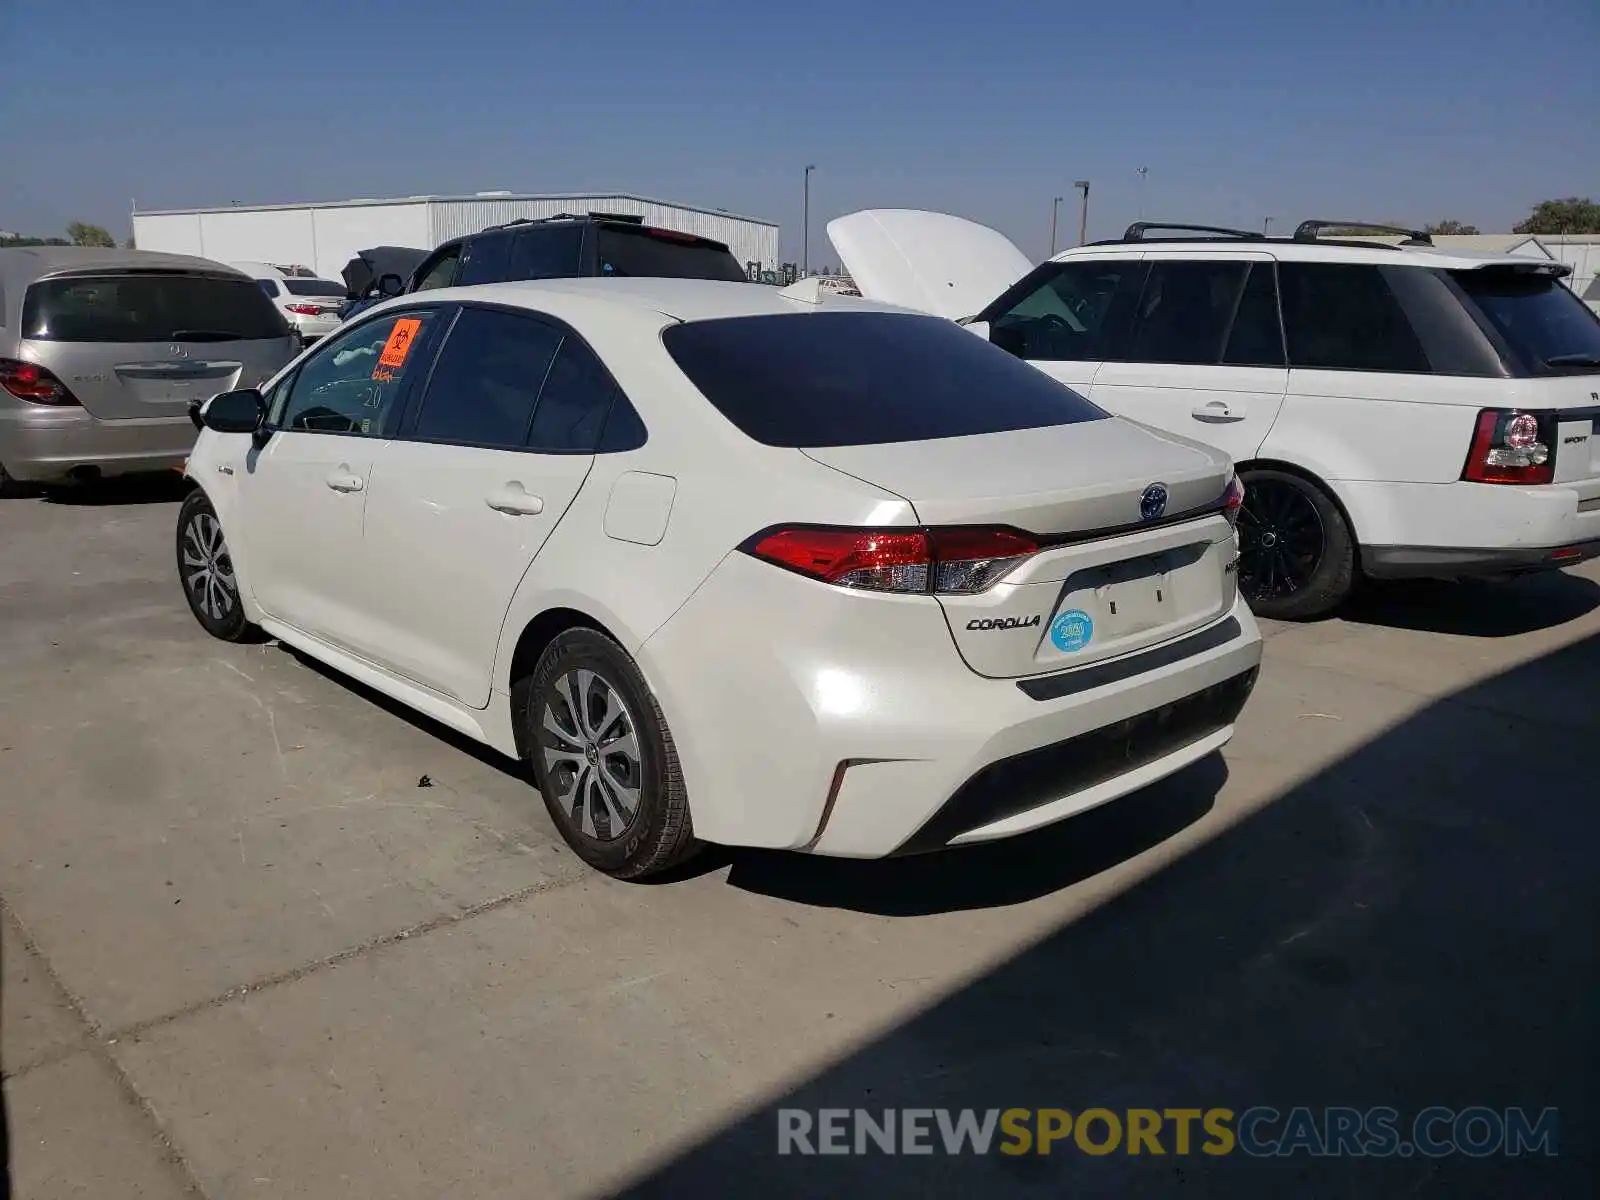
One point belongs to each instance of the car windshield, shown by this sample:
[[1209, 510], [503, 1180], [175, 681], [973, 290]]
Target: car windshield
[[1542, 321], [639, 250], [864, 378], [314, 287], [148, 307]]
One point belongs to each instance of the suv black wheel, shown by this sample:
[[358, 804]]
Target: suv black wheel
[[206, 570], [1296, 553], [603, 757]]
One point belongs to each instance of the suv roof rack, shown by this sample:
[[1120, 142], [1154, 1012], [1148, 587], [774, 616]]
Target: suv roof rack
[[1137, 231], [629, 218], [1308, 231]]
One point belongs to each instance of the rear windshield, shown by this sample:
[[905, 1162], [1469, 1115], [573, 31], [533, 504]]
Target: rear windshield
[[657, 253], [863, 378], [1543, 323], [313, 287], [148, 307]]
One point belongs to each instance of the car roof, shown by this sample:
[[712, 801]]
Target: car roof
[[22, 264], [1289, 250], [679, 299]]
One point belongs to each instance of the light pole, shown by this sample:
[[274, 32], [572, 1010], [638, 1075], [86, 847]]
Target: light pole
[[1143, 173], [1083, 212], [1055, 207], [805, 232]]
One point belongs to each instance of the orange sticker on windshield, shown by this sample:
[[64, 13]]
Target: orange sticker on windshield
[[399, 344]]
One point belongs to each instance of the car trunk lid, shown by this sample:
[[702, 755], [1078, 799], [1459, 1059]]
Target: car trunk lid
[[929, 261], [1112, 575]]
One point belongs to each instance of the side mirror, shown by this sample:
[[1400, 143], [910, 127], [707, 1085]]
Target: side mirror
[[1009, 339], [391, 285], [234, 412]]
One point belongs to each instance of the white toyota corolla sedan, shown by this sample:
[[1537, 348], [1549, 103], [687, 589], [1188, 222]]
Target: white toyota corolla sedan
[[731, 563]]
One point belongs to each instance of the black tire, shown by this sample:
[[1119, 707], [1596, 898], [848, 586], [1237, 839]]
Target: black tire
[[8, 485], [593, 695], [1297, 556], [205, 571]]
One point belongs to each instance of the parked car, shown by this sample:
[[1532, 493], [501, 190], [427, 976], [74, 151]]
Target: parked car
[[310, 305], [723, 562], [1395, 410], [102, 351], [568, 246]]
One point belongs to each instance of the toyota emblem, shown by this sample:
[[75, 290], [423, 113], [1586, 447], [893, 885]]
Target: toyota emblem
[[1153, 504]]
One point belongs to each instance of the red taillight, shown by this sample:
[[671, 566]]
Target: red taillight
[[1512, 447], [957, 560], [305, 310], [35, 384], [1233, 500]]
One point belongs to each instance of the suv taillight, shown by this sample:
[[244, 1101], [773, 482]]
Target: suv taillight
[[1512, 447], [35, 384], [953, 561]]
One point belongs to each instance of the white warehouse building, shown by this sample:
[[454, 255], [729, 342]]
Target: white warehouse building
[[325, 236]]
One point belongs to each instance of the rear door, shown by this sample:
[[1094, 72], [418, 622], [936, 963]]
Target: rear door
[[1202, 353], [141, 344], [551, 252], [484, 469]]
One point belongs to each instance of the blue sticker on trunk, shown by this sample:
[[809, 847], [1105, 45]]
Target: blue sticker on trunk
[[1072, 631]]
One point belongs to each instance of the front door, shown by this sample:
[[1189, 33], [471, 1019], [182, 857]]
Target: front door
[[463, 499], [1202, 354], [307, 485]]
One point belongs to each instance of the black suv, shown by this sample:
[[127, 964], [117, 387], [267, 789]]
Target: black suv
[[567, 247]]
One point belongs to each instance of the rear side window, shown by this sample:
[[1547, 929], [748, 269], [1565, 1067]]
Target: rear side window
[[485, 260], [149, 306], [547, 254], [860, 378], [269, 287], [573, 405], [661, 253], [1345, 317], [1184, 312], [1544, 325], [1068, 312], [487, 379]]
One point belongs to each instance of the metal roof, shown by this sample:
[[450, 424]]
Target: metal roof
[[366, 202]]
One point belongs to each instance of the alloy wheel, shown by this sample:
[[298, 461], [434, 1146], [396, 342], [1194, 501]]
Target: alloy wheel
[[590, 746], [1281, 540], [207, 566]]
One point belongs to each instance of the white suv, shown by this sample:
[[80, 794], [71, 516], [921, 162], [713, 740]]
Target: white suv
[[1394, 409]]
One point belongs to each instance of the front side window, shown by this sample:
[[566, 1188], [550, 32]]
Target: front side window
[[149, 306], [1185, 311], [439, 272], [352, 383], [1256, 338], [863, 378], [486, 382], [1070, 312], [1346, 317]]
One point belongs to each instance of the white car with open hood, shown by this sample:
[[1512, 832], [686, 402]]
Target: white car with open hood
[[1395, 409], [731, 563]]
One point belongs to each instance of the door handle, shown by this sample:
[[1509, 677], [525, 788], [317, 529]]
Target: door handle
[[513, 498], [1217, 410], [345, 480]]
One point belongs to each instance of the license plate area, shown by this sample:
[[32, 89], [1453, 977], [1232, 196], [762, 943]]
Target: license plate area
[[1116, 607]]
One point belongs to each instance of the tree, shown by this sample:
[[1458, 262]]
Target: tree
[[90, 235], [1448, 226], [1572, 215]]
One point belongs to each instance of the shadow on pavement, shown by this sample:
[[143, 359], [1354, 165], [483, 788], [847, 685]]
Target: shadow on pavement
[[1413, 926], [166, 487], [1476, 607]]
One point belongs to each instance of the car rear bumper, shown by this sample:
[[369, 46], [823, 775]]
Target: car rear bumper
[[846, 723], [39, 444]]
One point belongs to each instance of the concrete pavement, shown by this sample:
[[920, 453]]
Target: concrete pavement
[[247, 955]]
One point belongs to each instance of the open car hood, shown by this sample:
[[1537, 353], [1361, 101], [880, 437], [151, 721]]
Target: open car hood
[[929, 261]]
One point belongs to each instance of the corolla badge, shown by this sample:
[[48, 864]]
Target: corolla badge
[[1153, 504], [1072, 630]]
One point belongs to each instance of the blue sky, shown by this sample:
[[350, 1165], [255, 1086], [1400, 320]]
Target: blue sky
[[1241, 109]]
